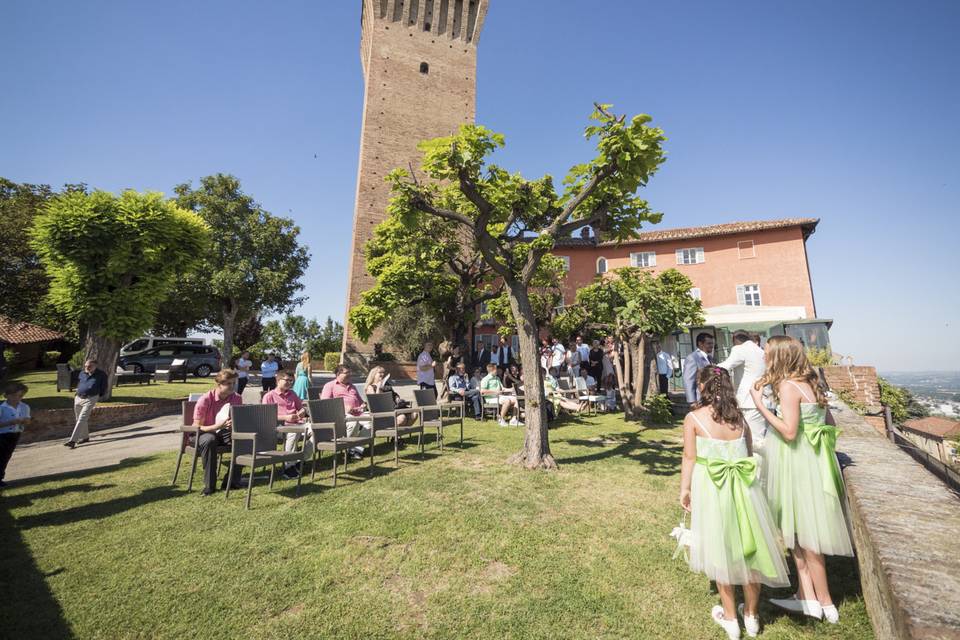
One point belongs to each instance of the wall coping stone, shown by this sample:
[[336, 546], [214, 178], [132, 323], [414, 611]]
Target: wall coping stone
[[905, 524]]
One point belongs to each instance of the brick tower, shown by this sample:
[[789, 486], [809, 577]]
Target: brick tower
[[419, 65]]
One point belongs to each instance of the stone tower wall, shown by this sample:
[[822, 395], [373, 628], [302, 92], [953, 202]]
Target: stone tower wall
[[406, 102]]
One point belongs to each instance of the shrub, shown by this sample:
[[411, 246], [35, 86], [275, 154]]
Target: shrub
[[50, 358], [331, 360], [77, 359], [848, 400], [9, 356], [385, 356], [819, 357], [660, 409]]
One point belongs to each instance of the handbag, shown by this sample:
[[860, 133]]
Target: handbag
[[684, 538]]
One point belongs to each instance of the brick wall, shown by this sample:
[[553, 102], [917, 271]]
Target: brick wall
[[859, 382], [53, 424]]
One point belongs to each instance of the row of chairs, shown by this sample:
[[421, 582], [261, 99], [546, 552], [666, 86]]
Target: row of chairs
[[256, 433]]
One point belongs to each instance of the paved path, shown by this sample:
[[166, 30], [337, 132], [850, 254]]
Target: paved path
[[111, 446]]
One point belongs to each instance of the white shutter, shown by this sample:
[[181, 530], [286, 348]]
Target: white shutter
[[700, 255], [741, 295], [651, 259], [679, 256]]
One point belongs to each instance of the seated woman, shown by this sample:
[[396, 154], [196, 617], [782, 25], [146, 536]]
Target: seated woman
[[379, 382], [512, 378], [586, 386], [551, 389]]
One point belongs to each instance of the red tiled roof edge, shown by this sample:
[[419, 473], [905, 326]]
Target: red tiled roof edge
[[15, 332], [714, 230], [934, 425]]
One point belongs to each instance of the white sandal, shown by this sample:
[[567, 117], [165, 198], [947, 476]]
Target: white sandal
[[793, 604], [732, 627], [750, 623]]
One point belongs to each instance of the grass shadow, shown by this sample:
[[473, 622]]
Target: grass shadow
[[98, 510], [24, 499], [660, 457]]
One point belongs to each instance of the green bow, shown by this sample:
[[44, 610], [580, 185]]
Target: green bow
[[736, 476], [823, 439]]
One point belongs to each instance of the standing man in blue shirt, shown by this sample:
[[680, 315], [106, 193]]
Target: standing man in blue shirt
[[91, 386]]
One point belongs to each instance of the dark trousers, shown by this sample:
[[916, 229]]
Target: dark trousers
[[433, 387], [241, 385], [207, 450], [664, 382], [268, 383], [8, 442]]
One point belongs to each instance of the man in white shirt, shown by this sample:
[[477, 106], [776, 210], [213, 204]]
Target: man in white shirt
[[746, 363], [692, 364], [664, 369], [243, 371], [583, 350], [426, 366], [559, 354]]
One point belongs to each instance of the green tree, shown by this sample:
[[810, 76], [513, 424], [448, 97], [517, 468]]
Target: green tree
[[111, 260], [903, 405], [25, 281], [638, 307], [424, 267], [409, 327], [515, 222], [291, 335], [256, 261]]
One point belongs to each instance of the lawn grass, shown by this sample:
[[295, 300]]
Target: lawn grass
[[459, 545], [43, 390]]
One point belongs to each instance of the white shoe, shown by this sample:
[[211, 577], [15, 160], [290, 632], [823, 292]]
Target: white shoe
[[514, 422], [830, 614], [750, 623], [732, 627], [793, 604], [502, 422]]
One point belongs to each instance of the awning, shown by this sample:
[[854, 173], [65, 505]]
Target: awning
[[743, 314]]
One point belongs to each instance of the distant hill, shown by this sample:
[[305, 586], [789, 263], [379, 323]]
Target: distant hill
[[939, 391]]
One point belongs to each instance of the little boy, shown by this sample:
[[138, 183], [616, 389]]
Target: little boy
[[14, 414]]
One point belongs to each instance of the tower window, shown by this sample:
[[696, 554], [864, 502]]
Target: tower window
[[424, 68]]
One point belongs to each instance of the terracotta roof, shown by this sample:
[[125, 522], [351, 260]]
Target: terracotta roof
[[726, 229], [14, 332], [935, 426]]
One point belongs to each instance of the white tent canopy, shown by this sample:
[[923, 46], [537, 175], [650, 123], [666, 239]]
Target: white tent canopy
[[742, 314]]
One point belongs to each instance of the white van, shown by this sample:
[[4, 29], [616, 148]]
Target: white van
[[149, 342]]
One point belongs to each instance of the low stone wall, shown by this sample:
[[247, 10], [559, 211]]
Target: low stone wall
[[905, 524], [399, 370], [53, 424], [859, 382]]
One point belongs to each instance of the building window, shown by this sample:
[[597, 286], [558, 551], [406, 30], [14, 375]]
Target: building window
[[424, 68], [695, 293], [643, 259], [748, 294], [690, 256], [601, 265], [566, 262], [746, 250]]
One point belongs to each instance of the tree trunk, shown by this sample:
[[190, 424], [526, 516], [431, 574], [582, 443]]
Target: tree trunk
[[650, 358], [536, 447], [105, 351], [626, 389], [229, 327], [636, 359]]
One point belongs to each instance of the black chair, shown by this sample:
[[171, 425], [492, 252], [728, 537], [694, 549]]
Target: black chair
[[432, 413], [253, 443], [313, 393], [384, 414], [329, 423]]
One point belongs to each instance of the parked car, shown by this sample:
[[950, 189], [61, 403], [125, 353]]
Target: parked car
[[149, 342], [201, 360]]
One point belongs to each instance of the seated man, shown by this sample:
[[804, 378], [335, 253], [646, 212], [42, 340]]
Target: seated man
[[462, 388], [290, 410], [586, 386], [215, 427], [353, 404], [493, 387], [551, 388]]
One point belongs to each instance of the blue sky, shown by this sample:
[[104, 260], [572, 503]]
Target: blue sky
[[844, 111]]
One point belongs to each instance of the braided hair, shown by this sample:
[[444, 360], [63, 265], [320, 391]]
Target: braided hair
[[718, 394]]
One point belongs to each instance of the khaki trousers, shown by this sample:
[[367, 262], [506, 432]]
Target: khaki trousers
[[82, 407]]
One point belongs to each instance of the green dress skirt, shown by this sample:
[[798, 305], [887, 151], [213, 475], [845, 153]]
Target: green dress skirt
[[805, 488], [734, 539]]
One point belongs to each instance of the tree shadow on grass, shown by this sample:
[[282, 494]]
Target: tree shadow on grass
[[662, 458], [28, 610], [24, 499], [98, 510], [77, 475]]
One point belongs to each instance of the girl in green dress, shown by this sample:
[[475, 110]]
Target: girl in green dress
[[804, 485], [734, 540]]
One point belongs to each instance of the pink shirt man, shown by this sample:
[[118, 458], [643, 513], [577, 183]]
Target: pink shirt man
[[287, 402], [209, 405], [351, 397]]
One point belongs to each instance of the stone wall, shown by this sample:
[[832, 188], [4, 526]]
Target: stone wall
[[859, 382], [905, 525], [53, 424]]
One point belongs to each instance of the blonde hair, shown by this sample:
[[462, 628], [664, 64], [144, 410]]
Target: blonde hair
[[305, 359], [786, 359], [372, 376]]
